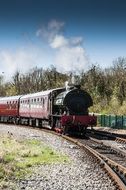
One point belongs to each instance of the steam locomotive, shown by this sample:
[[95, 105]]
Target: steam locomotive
[[64, 110]]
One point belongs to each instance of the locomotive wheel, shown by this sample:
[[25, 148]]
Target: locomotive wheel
[[17, 121], [65, 130], [83, 132]]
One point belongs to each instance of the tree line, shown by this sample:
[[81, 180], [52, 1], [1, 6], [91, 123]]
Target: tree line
[[106, 86]]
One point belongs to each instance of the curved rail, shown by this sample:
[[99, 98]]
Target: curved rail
[[116, 172], [106, 134]]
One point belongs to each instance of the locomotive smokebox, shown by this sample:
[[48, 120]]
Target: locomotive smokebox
[[77, 101]]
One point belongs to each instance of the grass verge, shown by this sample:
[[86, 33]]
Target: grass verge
[[18, 157]]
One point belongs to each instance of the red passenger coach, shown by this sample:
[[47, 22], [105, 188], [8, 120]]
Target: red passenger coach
[[9, 108], [35, 105], [37, 108]]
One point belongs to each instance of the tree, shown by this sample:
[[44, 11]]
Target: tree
[[2, 86]]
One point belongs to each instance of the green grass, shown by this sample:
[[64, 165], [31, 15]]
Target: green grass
[[18, 157]]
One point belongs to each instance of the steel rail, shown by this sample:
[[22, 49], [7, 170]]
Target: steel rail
[[108, 134], [119, 151], [116, 172]]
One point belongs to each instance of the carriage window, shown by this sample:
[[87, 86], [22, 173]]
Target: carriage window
[[38, 99], [43, 101]]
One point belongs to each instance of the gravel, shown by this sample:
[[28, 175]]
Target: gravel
[[80, 174]]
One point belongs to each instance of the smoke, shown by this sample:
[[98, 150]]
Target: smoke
[[70, 55], [58, 42], [51, 30], [67, 54]]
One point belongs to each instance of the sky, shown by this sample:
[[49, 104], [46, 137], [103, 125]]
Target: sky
[[69, 34]]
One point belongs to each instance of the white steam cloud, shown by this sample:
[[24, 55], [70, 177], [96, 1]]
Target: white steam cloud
[[70, 55], [51, 30], [67, 54]]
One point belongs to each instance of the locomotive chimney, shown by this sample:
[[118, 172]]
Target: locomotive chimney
[[66, 85], [73, 80]]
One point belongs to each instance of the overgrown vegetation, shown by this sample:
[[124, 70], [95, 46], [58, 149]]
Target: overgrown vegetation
[[17, 158], [106, 86]]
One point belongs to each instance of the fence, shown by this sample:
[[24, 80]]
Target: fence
[[113, 121]]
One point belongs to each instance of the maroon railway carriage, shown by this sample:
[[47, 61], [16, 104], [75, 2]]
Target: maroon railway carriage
[[37, 108], [9, 108]]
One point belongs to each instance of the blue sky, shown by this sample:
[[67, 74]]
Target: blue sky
[[70, 34]]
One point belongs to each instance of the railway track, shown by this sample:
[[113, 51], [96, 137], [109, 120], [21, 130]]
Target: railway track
[[121, 140], [112, 160], [106, 135], [112, 151], [113, 138]]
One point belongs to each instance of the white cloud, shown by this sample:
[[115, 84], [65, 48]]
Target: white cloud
[[49, 32], [70, 54], [22, 60], [11, 62], [65, 53], [76, 40], [58, 42], [55, 25]]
